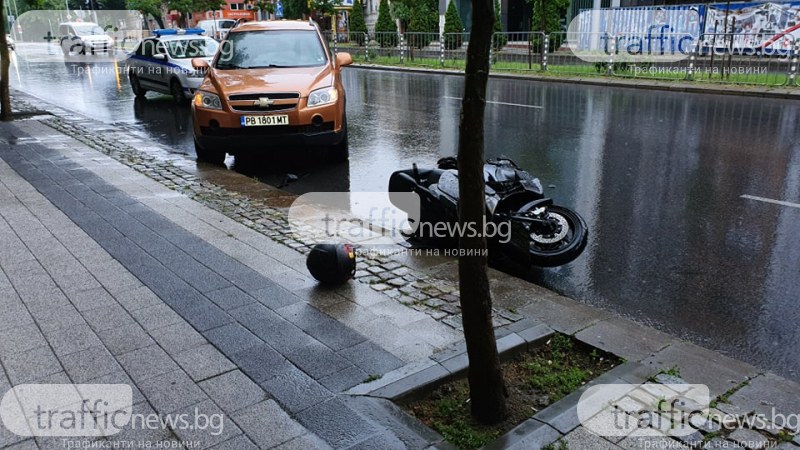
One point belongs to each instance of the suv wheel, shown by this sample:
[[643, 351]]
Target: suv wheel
[[136, 87], [216, 157], [341, 151], [176, 90]]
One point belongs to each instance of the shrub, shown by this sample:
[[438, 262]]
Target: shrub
[[357, 24], [385, 28], [423, 18], [498, 40], [452, 27]]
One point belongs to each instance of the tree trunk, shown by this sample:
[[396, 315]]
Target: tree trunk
[[5, 94], [543, 17], [159, 21], [486, 385]]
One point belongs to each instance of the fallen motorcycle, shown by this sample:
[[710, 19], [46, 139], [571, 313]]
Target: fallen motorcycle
[[520, 221]]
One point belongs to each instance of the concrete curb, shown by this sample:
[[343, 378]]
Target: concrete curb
[[543, 428], [746, 91], [451, 363]]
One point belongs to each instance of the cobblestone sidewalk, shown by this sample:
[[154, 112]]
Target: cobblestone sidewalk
[[439, 298]]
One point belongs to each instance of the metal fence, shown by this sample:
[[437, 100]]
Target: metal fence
[[717, 58]]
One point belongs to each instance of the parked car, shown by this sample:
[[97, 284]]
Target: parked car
[[80, 38], [163, 63], [217, 28], [271, 85]]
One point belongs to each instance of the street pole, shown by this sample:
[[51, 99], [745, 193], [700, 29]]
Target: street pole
[[792, 81], [725, 37], [545, 50], [16, 17]]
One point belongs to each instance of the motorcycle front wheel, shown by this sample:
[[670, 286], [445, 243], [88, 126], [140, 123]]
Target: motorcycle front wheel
[[560, 245]]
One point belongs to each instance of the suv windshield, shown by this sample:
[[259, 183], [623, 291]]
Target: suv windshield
[[191, 48], [87, 29], [263, 49]]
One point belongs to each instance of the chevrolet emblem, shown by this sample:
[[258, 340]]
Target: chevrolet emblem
[[263, 102]]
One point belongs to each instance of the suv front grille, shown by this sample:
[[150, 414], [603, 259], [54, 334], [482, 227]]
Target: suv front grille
[[279, 101], [270, 95], [256, 108]]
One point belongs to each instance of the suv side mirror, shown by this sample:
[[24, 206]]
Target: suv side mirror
[[160, 56], [200, 64], [343, 59]]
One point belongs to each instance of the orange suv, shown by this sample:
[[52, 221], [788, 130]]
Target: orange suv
[[271, 84]]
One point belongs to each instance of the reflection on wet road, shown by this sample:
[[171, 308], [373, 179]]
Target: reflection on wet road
[[658, 176]]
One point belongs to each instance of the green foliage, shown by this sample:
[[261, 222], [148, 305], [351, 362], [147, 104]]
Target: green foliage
[[386, 25], [459, 430], [452, 24], [557, 376], [423, 20], [555, 380], [674, 371], [325, 7], [417, 16], [357, 23], [498, 40], [784, 436], [617, 67], [498, 24], [547, 14], [182, 6], [147, 7], [399, 10], [111, 4], [372, 378], [266, 6], [325, 12], [294, 9], [558, 445], [185, 7]]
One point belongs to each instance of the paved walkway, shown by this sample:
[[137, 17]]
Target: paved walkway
[[97, 287]]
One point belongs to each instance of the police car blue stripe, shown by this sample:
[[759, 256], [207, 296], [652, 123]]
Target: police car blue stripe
[[161, 63]]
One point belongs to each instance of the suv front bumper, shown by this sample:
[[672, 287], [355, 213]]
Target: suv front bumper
[[259, 138], [222, 130]]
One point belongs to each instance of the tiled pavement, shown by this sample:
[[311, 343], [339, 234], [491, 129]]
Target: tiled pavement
[[97, 287]]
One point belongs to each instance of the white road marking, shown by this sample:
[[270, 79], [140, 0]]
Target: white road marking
[[769, 200], [501, 103]]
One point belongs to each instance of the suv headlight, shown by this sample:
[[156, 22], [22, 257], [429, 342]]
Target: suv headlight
[[323, 96], [207, 100]]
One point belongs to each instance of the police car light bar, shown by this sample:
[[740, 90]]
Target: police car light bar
[[180, 31]]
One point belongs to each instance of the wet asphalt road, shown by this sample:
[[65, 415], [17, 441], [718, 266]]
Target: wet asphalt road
[[658, 176]]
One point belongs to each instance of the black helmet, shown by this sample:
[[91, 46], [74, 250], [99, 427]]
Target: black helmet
[[332, 263]]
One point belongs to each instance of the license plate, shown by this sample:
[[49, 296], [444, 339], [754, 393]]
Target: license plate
[[263, 121]]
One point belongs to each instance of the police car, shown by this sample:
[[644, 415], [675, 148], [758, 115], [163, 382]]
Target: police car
[[163, 62]]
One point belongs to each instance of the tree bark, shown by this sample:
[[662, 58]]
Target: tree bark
[[486, 384], [5, 94]]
